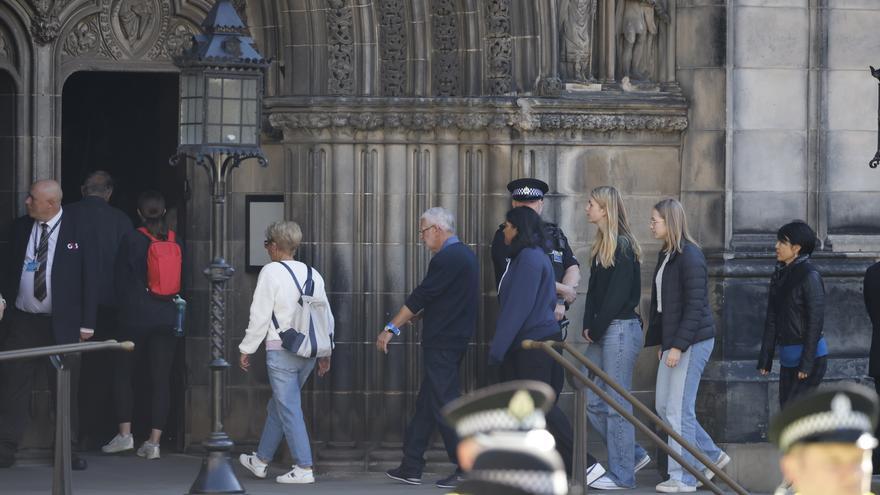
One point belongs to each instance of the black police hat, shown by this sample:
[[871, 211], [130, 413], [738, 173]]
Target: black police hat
[[839, 413], [516, 470], [527, 189], [518, 405]]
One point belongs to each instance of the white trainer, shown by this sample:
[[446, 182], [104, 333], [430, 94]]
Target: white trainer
[[149, 450], [674, 486], [297, 475], [119, 443], [606, 483], [644, 461], [721, 463], [594, 472], [254, 464]]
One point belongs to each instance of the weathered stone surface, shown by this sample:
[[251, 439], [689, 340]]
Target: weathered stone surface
[[756, 168], [770, 99], [851, 97], [772, 37], [848, 47]]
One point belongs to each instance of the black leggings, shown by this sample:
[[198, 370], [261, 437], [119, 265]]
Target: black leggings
[[160, 346], [790, 386]]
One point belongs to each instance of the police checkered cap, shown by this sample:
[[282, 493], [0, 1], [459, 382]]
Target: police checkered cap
[[535, 482], [841, 413], [506, 467], [510, 406], [527, 189], [498, 419]]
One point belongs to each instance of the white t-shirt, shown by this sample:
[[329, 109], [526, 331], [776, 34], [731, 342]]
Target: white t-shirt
[[659, 281]]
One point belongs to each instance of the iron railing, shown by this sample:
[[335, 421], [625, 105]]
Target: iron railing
[[580, 457], [61, 471]]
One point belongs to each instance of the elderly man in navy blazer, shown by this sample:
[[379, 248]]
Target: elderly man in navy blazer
[[447, 299], [50, 290]]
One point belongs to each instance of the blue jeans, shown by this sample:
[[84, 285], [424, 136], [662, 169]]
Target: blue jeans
[[676, 396], [287, 375], [616, 354]]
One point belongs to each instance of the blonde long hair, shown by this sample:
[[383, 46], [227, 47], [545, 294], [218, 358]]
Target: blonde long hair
[[672, 212], [615, 224]]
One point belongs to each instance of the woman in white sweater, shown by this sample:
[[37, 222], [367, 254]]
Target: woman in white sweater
[[275, 297]]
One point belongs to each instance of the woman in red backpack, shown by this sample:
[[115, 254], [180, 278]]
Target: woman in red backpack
[[145, 265]]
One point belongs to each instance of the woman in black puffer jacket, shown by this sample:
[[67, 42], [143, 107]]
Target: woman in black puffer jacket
[[795, 314], [681, 324]]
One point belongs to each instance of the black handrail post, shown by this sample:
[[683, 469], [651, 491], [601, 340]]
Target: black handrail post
[[61, 470], [580, 434]]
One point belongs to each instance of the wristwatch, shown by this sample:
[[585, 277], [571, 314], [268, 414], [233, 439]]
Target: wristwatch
[[391, 327]]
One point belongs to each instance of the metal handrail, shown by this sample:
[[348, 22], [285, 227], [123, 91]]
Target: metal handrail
[[548, 347], [61, 470]]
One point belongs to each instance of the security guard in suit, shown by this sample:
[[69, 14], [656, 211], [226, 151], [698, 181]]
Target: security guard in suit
[[530, 192], [826, 438]]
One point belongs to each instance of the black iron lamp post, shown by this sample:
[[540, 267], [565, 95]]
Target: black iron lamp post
[[876, 160], [221, 84]]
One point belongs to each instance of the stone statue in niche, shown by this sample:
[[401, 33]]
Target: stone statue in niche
[[637, 29], [135, 17], [577, 20]]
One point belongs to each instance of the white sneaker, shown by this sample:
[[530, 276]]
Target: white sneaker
[[644, 461], [297, 475], [721, 463], [594, 472], [674, 486], [119, 444], [254, 464], [605, 483], [149, 450]]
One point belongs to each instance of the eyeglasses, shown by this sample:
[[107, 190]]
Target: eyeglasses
[[422, 231], [267, 242]]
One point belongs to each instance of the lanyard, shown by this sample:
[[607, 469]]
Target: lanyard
[[48, 235]]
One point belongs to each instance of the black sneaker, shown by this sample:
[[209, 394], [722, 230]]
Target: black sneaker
[[404, 476], [450, 481]]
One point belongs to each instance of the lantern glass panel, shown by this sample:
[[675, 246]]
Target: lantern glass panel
[[213, 134], [250, 89], [214, 109], [231, 111], [232, 134], [249, 112], [215, 87], [248, 135], [232, 88]]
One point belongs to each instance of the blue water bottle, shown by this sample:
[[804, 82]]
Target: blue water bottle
[[181, 315]]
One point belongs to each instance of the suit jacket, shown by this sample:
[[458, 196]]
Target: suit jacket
[[106, 226], [74, 301], [872, 304]]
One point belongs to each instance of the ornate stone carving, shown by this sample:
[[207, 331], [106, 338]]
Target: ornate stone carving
[[445, 63], [340, 40], [467, 118], [44, 23], [637, 31], [241, 8], [83, 38], [392, 46], [500, 47], [4, 47], [577, 20], [178, 40], [135, 29], [135, 18]]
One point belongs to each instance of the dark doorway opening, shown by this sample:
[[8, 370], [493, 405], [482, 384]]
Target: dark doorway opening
[[8, 99], [125, 124]]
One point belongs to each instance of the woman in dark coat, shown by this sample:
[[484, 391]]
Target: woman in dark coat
[[795, 315], [527, 295], [149, 322], [683, 327]]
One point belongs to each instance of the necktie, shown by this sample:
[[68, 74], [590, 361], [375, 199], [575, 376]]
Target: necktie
[[42, 255]]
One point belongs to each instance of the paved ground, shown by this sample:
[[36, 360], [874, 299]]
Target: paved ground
[[174, 473]]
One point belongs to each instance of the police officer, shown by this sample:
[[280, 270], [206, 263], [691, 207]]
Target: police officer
[[530, 192], [826, 438]]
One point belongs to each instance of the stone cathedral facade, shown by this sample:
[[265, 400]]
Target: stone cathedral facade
[[752, 112]]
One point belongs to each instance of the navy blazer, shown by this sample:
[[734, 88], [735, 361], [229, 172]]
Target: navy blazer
[[74, 294]]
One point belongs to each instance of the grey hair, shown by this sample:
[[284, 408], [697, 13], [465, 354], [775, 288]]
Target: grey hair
[[285, 234], [441, 217]]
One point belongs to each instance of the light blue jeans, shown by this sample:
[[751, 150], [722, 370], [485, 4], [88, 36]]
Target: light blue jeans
[[287, 375], [676, 396], [616, 354]]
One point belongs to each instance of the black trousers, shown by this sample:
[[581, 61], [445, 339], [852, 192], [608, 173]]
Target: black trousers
[[159, 346], [27, 330], [875, 456], [790, 386], [96, 406], [535, 364], [441, 385]]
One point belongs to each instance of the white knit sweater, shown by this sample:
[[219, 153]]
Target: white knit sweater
[[276, 292]]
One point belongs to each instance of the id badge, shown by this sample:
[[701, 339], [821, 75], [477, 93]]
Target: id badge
[[557, 256], [31, 265]]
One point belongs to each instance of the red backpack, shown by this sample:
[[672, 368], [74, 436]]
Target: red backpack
[[164, 262]]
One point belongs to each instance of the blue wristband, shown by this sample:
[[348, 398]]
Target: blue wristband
[[391, 327]]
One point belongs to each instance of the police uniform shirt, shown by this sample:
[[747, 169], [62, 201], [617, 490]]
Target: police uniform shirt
[[557, 249]]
